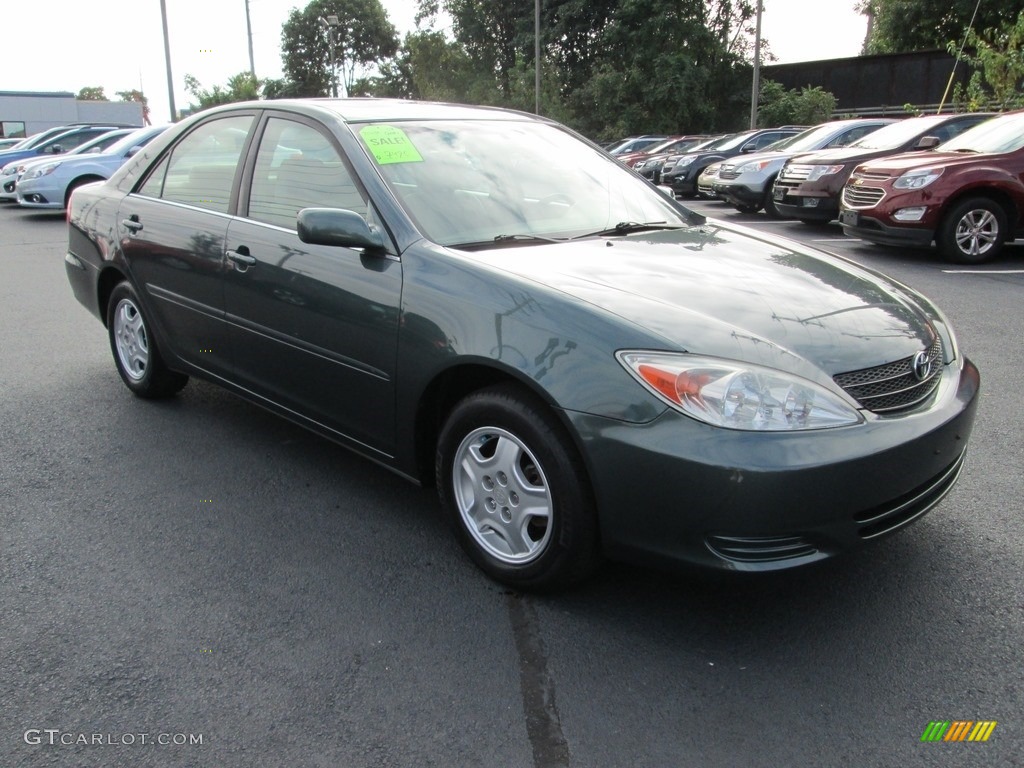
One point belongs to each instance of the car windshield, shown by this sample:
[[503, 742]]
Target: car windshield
[[812, 138], [996, 136], [733, 141], [897, 134], [474, 182]]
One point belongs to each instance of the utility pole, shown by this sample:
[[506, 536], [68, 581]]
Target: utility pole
[[756, 88], [536, 57], [248, 26], [331, 25], [167, 58]]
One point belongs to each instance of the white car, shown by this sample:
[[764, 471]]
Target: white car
[[49, 183], [14, 170]]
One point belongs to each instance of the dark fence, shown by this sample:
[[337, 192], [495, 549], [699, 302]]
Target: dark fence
[[878, 85]]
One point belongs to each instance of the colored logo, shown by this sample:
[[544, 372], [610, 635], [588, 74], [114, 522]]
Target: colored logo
[[958, 730]]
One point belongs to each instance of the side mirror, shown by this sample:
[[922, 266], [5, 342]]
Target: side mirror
[[928, 142], [334, 226], [746, 149], [667, 191]]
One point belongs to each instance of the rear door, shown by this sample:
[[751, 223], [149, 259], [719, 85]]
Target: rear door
[[172, 228]]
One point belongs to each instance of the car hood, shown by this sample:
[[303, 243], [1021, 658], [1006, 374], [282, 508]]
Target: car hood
[[718, 290], [849, 155], [897, 164]]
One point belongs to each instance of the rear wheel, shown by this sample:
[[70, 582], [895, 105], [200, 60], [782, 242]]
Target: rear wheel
[[972, 232], [135, 351], [516, 491]]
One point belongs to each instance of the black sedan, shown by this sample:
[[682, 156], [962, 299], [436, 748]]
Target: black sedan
[[584, 367]]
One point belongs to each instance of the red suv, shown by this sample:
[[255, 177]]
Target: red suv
[[967, 195], [808, 186]]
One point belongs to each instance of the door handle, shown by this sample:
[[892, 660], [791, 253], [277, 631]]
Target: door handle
[[132, 223], [241, 259]]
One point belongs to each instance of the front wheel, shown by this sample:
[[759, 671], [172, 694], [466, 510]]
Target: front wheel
[[972, 232], [516, 491], [135, 351]]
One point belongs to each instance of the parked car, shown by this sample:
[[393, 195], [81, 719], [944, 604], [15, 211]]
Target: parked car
[[11, 173], [667, 147], [9, 143], [637, 144], [706, 182], [682, 177], [478, 299], [49, 183], [967, 195], [661, 165], [746, 182], [808, 186], [55, 144]]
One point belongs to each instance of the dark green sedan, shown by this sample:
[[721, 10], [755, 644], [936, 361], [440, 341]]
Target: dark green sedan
[[481, 300]]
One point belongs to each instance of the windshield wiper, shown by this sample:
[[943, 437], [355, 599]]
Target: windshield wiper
[[967, 149], [627, 227], [505, 240], [528, 238]]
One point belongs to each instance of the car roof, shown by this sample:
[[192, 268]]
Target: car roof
[[359, 110]]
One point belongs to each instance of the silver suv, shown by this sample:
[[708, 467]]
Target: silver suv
[[746, 181]]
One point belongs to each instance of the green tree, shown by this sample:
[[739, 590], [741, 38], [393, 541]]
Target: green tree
[[611, 66], [94, 93], [808, 106], [997, 56], [240, 87], [363, 37], [137, 96], [921, 25]]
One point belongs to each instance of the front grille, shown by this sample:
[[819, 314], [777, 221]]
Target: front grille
[[862, 197], [871, 176], [760, 549], [796, 172], [893, 386], [904, 510], [729, 172]]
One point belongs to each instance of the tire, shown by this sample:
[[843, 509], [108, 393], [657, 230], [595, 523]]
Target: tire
[[972, 232], [75, 185], [500, 456], [135, 351], [769, 201]]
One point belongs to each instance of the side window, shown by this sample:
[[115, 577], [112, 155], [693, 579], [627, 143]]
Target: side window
[[297, 167], [153, 186], [200, 169]]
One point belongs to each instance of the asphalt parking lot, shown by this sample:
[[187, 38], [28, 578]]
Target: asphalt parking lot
[[199, 583]]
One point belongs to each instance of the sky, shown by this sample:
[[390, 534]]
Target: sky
[[118, 44]]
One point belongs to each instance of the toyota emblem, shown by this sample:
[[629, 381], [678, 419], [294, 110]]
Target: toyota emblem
[[922, 365]]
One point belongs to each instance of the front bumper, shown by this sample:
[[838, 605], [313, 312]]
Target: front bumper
[[738, 194], [675, 490], [33, 193], [857, 224], [810, 208]]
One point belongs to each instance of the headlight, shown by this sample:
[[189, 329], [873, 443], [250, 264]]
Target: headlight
[[922, 177], [682, 162], [817, 171], [10, 169], [753, 167], [735, 395], [44, 170]]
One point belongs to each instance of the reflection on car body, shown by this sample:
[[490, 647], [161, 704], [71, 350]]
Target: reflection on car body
[[580, 364]]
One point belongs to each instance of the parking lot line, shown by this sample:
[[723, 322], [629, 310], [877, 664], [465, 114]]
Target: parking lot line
[[984, 271]]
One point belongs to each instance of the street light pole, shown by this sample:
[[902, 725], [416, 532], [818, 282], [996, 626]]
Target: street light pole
[[167, 58], [330, 23], [248, 27], [755, 90]]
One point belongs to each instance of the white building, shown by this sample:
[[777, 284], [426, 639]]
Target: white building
[[23, 113]]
